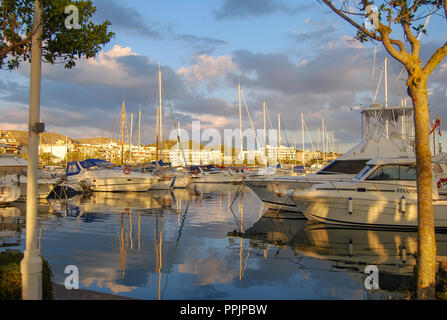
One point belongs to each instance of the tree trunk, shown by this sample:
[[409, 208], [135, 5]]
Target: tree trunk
[[426, 257]]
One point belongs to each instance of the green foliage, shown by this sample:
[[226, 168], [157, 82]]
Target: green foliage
[[74, 156], [11, 278], [59, 44], [398, 13], [47, 159], [441, 281]]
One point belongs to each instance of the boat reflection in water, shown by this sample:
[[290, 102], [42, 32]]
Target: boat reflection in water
[[151, 202], [176, 245], [10, 226], [347, 249]]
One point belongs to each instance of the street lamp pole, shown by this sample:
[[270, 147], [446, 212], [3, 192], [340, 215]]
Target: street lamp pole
[[31, 265]]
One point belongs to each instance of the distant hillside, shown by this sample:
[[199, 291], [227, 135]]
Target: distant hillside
[[97, 140], [168, 144], [51, 138], [46, 137]]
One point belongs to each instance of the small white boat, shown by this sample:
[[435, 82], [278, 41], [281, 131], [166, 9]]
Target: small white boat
[[15, 168], [102, 176], [9, 191], [382, 195], [211, 174], [170, 179]]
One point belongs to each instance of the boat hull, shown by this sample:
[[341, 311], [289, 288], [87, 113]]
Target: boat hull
[[9, 193], [165, 183], [44, 188], [273, 191], [125, 184], [385, 211], [217, 178]]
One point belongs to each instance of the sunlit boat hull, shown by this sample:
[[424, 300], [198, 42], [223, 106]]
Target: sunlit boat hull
[[44, 187], [366, 210], [182, 181], [122, 184], [172, 182], [273, 191], [165, 183], [217, 178], [9, 193]]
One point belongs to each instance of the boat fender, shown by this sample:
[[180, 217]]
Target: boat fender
[[350, 248], [280, 194], [441, 182], [126, 170], [350, 205], [172, 183], [403, 204], [403, 254]]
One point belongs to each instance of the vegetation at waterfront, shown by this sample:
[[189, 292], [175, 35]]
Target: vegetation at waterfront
[[11, 278], [59, 44]]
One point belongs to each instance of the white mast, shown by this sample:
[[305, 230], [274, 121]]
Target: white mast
[[386, 94], [302, 134], [139, 133], [131, 137], [279, 129], [161, 118], [318, 142], [265, 133], [265, 126], [240, 124], [324, 145]]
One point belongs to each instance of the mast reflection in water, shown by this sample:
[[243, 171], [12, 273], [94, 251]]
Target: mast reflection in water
[[210, 242]]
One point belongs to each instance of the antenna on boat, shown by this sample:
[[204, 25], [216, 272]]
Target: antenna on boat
[[264, 106], [302, 137], [160, 119], [123, 116], [240, 124], [139, 132], [131, 137]]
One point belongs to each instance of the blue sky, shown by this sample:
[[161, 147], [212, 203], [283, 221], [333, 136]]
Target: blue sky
[[295, 54]]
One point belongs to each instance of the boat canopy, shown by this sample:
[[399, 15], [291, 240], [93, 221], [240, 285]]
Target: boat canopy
[[344, 166], [382, 161], [74, 167], [95, 163]]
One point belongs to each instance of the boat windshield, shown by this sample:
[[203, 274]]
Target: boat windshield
[[362, 173], [344, 166], [394, 172], [89, 163]]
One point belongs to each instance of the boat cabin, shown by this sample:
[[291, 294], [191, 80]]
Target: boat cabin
[[75, 167]]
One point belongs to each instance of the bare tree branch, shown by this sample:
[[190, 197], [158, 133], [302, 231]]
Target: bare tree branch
[[400, 55], [435, 60], [404, 17]]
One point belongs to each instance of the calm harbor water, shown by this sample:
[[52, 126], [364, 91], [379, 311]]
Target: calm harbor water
[[212, 242]]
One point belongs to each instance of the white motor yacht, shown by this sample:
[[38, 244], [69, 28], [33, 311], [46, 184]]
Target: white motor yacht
[[9, 191], [211, 174], [386, 132], [171, 179], [103, 176], [382, 195], [15, 168]]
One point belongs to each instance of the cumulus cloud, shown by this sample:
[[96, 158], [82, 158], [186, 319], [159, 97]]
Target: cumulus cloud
[[208, 68], [201, 45], [242, 9], [127, 19]]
